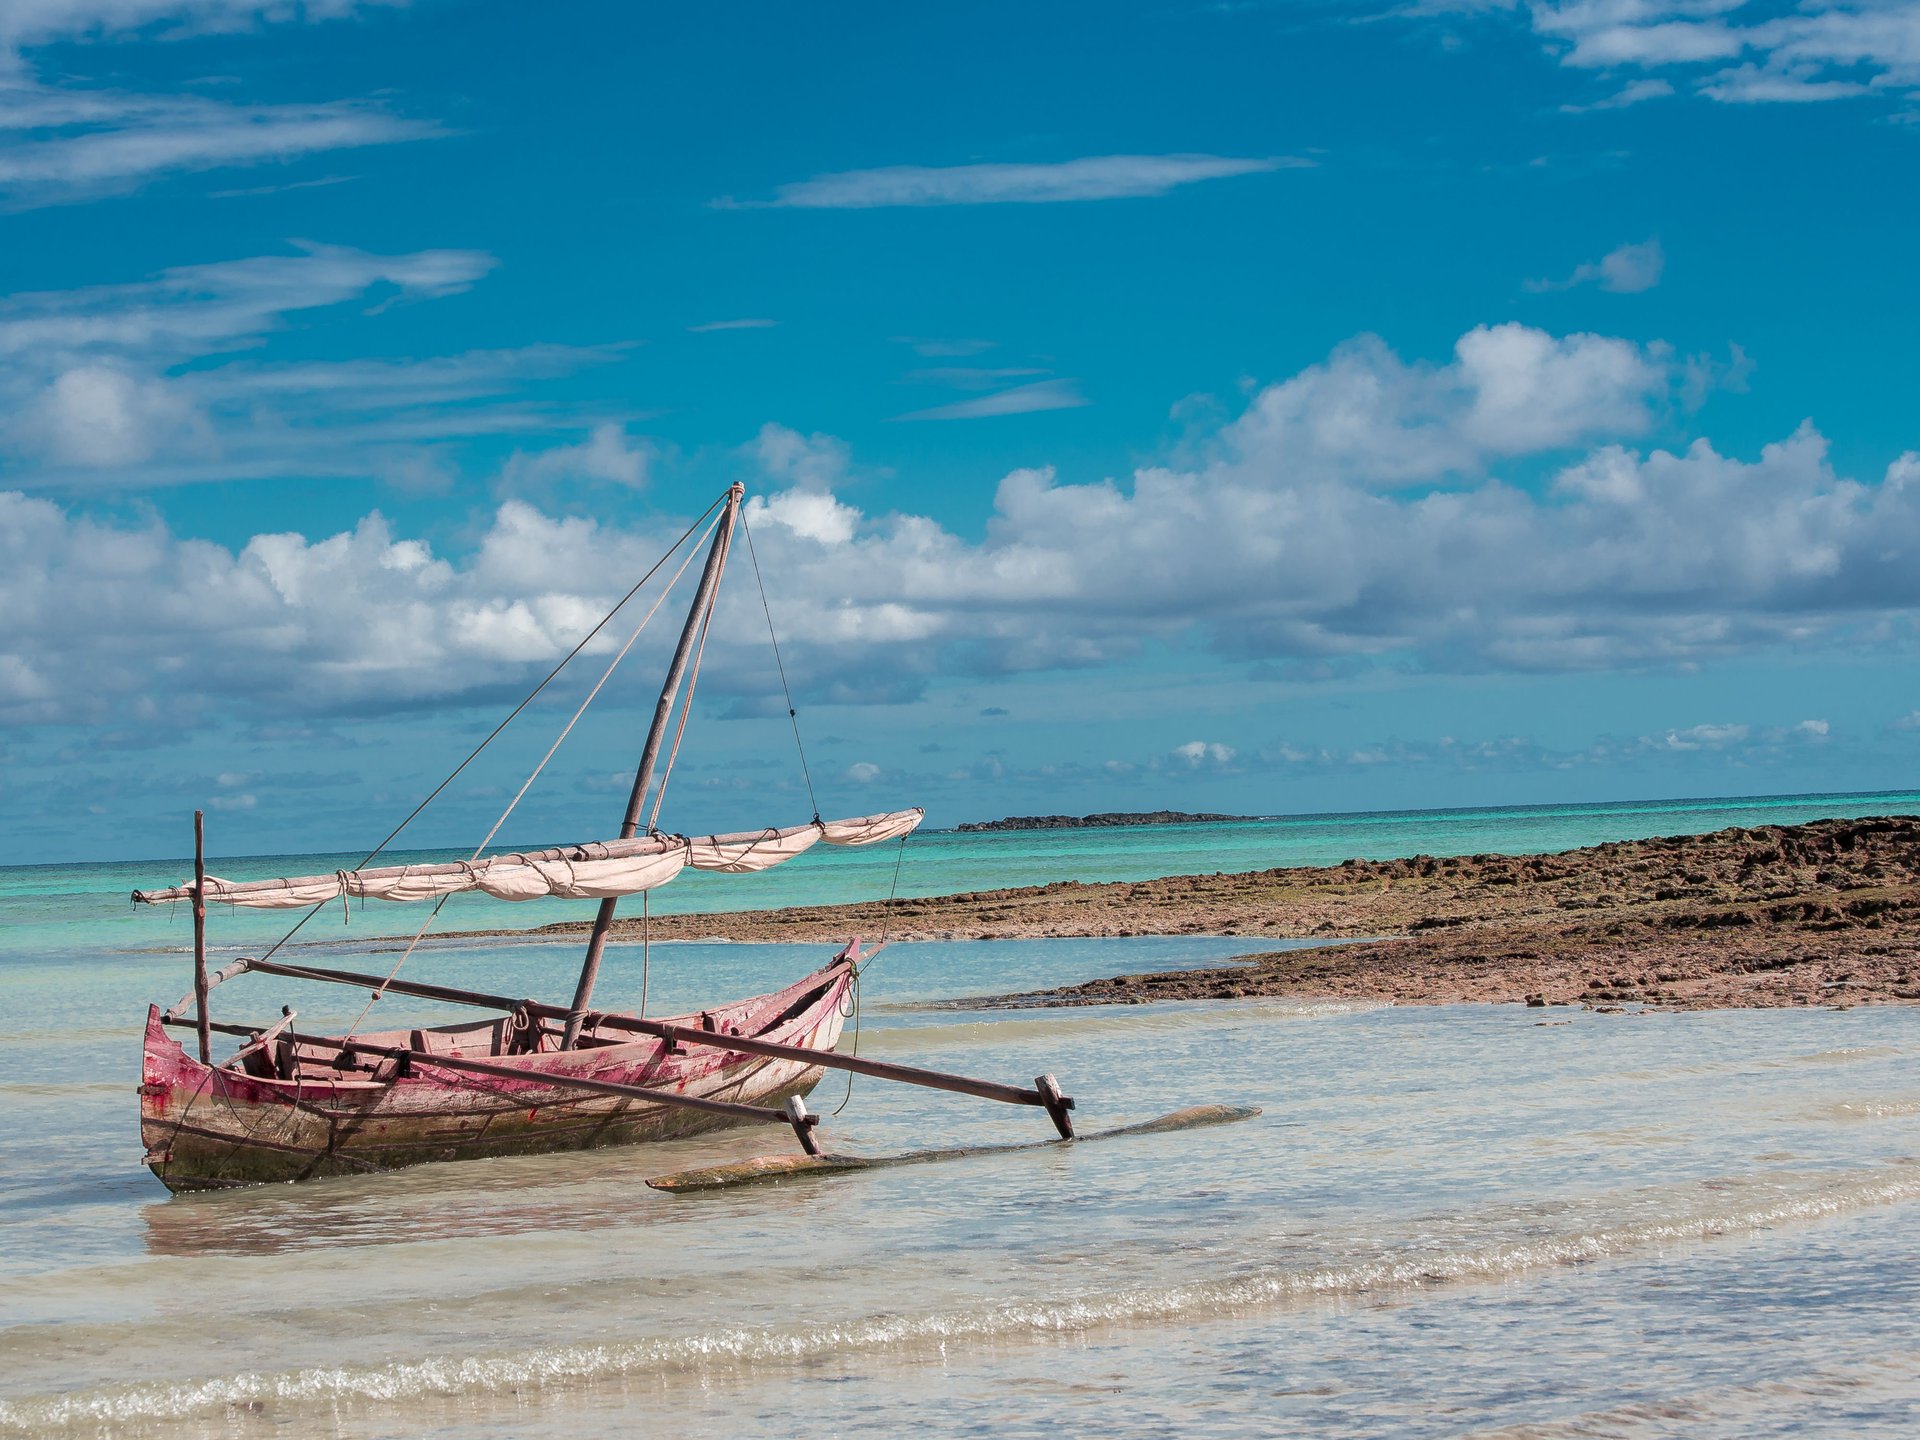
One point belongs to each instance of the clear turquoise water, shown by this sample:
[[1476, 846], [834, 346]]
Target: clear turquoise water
[[1448, 1221], [45, 908]]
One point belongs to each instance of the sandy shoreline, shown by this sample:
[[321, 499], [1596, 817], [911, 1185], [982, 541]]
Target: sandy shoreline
[[1822, 913]]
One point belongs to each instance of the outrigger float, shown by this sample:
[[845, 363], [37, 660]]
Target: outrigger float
[[530, 1077]]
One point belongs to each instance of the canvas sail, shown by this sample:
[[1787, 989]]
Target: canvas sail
[[594, 871]]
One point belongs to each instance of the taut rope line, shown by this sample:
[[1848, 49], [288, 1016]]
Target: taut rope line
[[567, 730], [494, 734]]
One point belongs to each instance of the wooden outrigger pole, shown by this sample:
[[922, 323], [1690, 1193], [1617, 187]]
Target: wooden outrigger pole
[[1045, 1092], [656, 734]]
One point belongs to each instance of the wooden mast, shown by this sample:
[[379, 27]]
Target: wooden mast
[[200, 986], [643, 777]]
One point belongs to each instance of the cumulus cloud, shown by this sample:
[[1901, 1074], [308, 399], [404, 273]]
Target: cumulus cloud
[[608, 455], [95, 416], [1098, 177], [791, 460], [1344, 518], [1509, 390], [1626, 271], [1203, 755]]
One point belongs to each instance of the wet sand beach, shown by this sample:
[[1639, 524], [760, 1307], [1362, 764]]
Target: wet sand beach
[[1821, 913]]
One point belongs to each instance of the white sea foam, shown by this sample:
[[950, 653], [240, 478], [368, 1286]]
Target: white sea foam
[[1698, 1214]]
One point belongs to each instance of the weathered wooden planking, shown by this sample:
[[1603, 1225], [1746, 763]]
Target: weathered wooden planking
[[213, 1128], [780, 1167]]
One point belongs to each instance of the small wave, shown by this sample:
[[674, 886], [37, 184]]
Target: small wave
[[1706, 1214], [1887, 1107], [1735, 1410]]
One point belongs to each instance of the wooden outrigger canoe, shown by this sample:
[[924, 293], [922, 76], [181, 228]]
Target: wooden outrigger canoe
[[290, 1109], [535, 1077]]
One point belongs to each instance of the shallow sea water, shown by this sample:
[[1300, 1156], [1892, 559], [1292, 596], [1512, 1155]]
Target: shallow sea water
[[1447, 1221]]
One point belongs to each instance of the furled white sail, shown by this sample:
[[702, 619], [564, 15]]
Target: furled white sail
[[592, 871]]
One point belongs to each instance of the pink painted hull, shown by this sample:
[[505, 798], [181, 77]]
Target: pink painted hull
[[214, 1128]]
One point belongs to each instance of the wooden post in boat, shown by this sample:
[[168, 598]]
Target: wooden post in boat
[[643, 777], [200, 935]]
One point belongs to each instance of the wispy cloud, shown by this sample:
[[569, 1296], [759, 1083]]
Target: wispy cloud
[[971, 377], [1099, 177], [1021, 400], [937, 349], [34, 22], [71, 141], [150, 383], [1633, 93], [1821, 50], [1625, 271], [712, 325]]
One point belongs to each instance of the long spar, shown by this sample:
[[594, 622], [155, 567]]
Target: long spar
[[656, 735]]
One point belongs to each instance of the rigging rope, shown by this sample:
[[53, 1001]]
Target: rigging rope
[[859, 970], [492, 735], [792, 714], [567, 730]]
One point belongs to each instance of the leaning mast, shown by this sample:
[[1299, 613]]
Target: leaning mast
[[649, 757]]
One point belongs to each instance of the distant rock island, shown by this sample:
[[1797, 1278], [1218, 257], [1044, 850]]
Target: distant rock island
[[1094, 822]]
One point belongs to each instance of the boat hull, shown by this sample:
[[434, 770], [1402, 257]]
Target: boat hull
[[211, 1128]]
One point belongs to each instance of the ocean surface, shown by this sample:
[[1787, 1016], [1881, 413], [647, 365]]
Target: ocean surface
[[1446, 1221]]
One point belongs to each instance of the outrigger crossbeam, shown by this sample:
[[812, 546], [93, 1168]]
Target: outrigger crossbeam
[[1044, 1095]]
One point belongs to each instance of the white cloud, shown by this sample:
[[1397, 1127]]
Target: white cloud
[[1099, 177], [1633, 93], [1627, 270], [112, 385], [716, 325], [789, 459], [71, 141], [1510, 389], [1020, 400], [34, 22], [193, 311], [1706, 737], [1286, 538], [1817, 51], [126, 139], [1204, 754], [95, 416], [606, 455]]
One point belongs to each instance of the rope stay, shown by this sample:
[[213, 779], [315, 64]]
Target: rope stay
[[792, 714], [686, 708], [527, 784], [886, 936], [512, 715]]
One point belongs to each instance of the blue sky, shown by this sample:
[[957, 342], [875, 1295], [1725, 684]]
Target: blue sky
[[1265, 407]]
